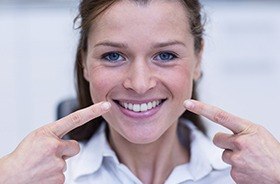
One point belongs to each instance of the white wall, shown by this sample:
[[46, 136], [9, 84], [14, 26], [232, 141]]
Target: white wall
[[242, 60], [37, 47], [36, 68]]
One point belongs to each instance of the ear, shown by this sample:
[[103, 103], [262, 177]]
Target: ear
[[197, 69], [84, 65]]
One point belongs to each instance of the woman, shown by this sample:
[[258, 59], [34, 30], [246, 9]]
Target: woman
[[142, 58]]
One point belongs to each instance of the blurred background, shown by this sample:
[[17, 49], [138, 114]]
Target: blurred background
[[241, 63]]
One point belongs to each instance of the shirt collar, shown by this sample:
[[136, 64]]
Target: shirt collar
[[203, 146], [205, 157], [92, 153]]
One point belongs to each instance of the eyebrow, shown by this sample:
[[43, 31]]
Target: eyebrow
[[168, 43], [111, 44], [122, 45]]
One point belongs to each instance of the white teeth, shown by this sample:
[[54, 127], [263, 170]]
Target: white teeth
[[130, 106], [136, 108], [125, 105], [140, 107], [143, 107], [150, 105], [154, 103]]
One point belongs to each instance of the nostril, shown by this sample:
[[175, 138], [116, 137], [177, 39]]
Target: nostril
[[140, 86]]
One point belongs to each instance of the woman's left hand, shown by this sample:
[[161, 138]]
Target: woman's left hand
[[251, 150]]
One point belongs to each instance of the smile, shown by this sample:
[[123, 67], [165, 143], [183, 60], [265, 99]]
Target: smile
[[141, 107]]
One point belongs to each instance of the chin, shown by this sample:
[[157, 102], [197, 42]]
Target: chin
[[139, 130], [143, 135]]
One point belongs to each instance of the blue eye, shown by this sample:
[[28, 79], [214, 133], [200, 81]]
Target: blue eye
[[165, 56], [113, 57]]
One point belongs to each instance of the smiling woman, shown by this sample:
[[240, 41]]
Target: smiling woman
[[145, 62], [108, 50]]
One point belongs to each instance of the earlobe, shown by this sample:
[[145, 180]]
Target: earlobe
[[197, 71], [85, 70]]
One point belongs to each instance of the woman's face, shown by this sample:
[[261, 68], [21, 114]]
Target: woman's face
[[141, 59]]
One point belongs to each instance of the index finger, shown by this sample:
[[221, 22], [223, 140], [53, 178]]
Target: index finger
[[78, 118], [217, 115]]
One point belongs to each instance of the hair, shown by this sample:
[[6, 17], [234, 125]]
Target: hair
[[89, 10]]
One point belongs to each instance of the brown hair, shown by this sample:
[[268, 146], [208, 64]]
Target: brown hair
[[89, 11]]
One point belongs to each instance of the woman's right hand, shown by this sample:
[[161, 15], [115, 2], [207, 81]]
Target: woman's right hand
[[40, 157]]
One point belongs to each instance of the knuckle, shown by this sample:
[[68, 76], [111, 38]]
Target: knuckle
[[239, 142], [73, 149], [60, 179], [234, 174], [221, 116], [52, 147], [93, 111], [40, 132], [234, 160], [238, 176], [251, 127], [258, 128], [60, 164], [55, 144], [75, 117], [238, 161]]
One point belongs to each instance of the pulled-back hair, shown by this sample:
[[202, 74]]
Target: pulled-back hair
[[89, 10]]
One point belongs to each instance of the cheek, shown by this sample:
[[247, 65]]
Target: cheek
[[180, 81], [101, 81]]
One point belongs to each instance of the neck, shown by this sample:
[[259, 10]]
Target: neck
[[153, 162]]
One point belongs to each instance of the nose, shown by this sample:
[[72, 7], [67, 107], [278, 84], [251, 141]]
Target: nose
[[140, 78]]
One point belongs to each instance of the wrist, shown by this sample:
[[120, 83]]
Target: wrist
[[7, 170], [4, 170]]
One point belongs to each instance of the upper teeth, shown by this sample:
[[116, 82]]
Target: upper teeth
[[140, 107]]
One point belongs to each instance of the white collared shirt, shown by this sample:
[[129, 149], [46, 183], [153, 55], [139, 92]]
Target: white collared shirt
[[98, 163]]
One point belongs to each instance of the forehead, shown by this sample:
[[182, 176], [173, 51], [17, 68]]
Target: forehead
[[156, 16], [156, 8]]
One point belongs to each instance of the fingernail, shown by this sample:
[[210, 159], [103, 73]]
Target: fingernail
[[105, 106], [188, 104]]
